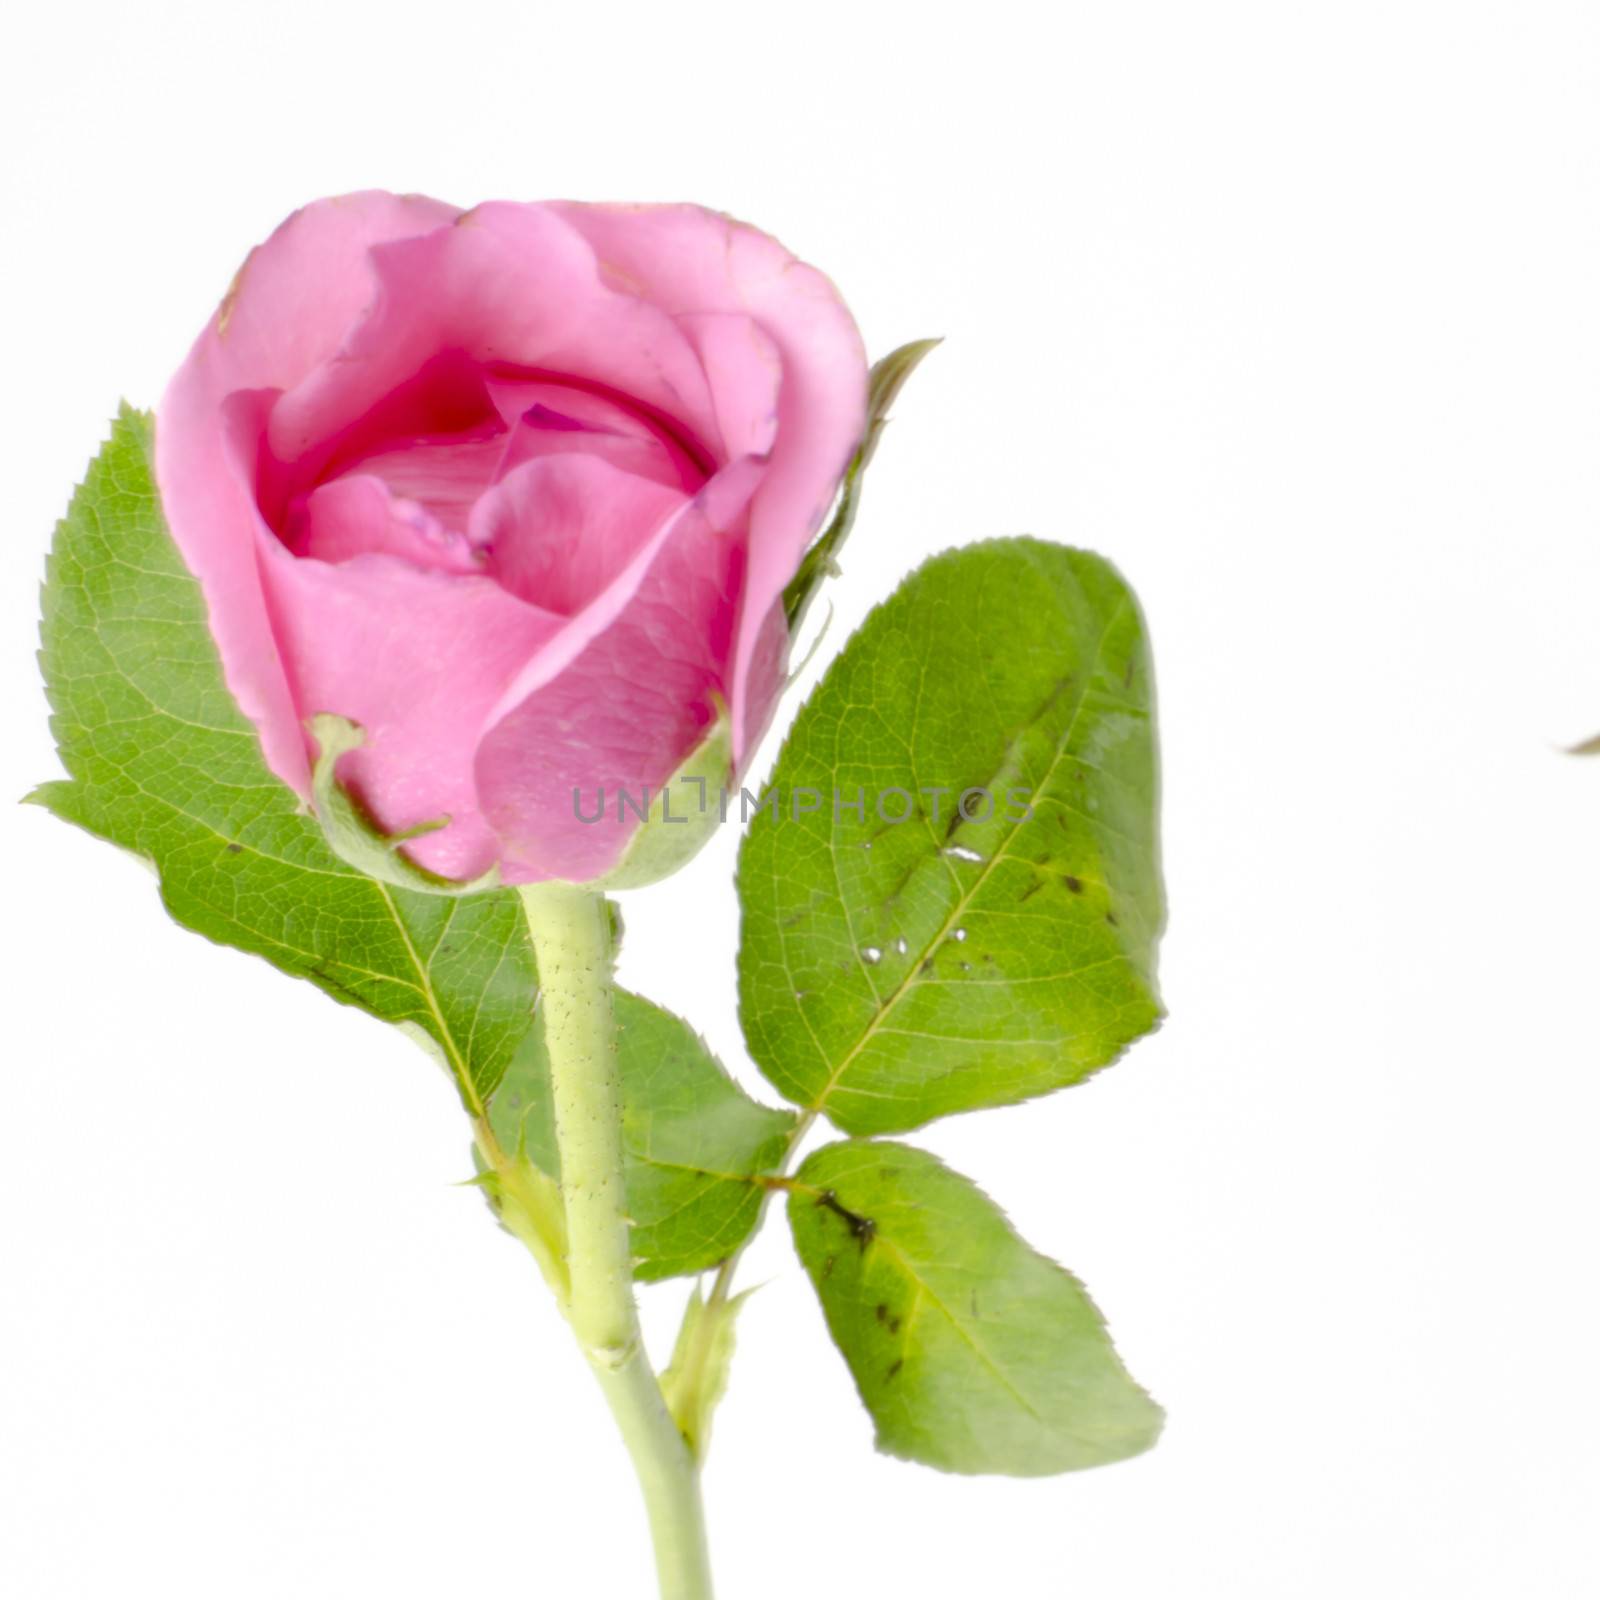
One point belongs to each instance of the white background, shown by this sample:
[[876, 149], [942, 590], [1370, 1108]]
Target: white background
[[1294, 311]]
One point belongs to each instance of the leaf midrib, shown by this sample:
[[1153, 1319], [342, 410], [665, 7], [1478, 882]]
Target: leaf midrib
[[928, 1292], [447, 1039]]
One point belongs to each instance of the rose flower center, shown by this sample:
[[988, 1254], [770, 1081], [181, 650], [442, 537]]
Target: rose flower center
[[539, 482]]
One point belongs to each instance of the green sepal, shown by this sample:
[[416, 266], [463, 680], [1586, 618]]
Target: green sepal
[[355, 837], [884, 383], [683, 814]]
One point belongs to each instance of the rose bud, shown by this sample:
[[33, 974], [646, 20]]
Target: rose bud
[[494, 511]]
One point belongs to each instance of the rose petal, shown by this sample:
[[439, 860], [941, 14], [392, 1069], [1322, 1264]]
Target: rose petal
[[559, 529], [516, 289], [287, 311], [626, 691], [359, 516], [445, 476], [555, 419], [297, 295], [745, 370], [691, 261], [419, 660], [621, 717]]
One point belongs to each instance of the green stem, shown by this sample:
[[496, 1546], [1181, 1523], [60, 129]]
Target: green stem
[[571, 934]]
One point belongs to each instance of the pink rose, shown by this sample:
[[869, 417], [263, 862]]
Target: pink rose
[[517, 490]]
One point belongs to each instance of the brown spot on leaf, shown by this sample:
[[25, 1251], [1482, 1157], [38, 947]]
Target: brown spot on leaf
[[862, 1229]]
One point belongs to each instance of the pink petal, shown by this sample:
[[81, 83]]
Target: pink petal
[[446, 476], [561, 528], [359, 515], [419, 660], [560, 418], [285, 314], [691, 261], [515, 288], [297, 295], [622, 697], [745, 370]]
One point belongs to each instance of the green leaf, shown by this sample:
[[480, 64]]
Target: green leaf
[[892, 971], [163, 763], [693, 1140], [973, 1352], [884, 383]]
